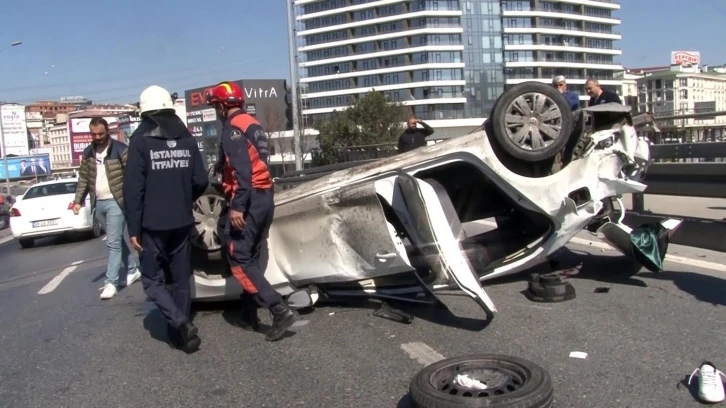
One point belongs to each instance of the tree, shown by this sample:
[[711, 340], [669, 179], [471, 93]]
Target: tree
[[371, 120], [275, 123]]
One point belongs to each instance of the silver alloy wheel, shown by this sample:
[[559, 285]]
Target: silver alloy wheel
[[533, 121], [206, 212]]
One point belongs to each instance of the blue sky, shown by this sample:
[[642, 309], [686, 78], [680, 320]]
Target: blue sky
[[110, 51]]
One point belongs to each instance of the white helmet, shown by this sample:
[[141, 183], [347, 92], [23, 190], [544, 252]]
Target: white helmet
[[155, 98]]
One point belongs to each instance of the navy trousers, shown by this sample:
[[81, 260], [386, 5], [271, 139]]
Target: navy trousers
[[166, 272], [244, 247]]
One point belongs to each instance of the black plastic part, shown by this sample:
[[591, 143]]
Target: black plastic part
[[387, 312], [549, 288]]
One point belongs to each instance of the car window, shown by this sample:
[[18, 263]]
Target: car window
[[50, 190]]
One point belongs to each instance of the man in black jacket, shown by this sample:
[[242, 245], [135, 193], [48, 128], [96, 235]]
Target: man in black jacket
[[164, 176], [414, 137]]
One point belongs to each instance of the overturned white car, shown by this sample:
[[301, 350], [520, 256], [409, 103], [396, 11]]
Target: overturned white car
[[409, 226]]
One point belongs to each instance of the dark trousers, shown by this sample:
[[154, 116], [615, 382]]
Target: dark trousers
[[166, 255], [245, 245]]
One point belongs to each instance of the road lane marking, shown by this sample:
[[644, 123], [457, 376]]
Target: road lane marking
[[422, 353], [671, 258], [6, 239], [53, 284], [77, 262]]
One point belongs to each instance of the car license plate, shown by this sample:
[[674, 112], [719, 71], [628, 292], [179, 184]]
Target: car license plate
[[46, 223]]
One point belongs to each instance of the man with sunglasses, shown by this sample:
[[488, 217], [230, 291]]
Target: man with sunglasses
[[101, 174]]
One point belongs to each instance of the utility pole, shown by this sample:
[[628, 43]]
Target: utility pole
[[292, 48]]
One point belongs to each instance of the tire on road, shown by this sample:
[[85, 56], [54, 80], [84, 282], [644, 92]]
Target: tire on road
[[531, 122], [512, 382]]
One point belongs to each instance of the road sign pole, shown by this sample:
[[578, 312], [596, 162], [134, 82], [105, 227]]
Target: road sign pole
[[5, 153]]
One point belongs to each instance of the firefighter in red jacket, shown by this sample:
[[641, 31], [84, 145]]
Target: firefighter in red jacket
[[248, 187]]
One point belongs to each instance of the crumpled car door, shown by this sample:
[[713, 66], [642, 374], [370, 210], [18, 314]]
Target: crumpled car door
[[420, 211]]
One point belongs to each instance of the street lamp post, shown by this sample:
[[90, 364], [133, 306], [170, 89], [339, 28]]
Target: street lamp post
[[2, 131]]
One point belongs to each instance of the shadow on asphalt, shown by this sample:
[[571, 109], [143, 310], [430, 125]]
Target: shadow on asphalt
[[621, 270], [692, 389], [59, 241], [406, 402]]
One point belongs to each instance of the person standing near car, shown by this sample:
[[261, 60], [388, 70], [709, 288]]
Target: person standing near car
[[248, 187], [101, 173], [414, 137], [598, 95], [573, 99], [165, 175]]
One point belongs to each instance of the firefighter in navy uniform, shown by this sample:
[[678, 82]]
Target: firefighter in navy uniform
[[164, 176], [248, 187]]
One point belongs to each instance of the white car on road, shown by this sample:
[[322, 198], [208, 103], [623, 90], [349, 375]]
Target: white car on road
[[46, 209]]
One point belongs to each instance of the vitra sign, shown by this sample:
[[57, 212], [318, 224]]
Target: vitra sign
[[253, 90]]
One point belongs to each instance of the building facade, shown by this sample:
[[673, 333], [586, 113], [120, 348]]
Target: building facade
[[683, 90], [448, 60]]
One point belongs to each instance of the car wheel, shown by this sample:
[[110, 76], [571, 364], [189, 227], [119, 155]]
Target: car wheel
[[531, 122], [207, 210], [4, 221], [26, 243], [509, 382]]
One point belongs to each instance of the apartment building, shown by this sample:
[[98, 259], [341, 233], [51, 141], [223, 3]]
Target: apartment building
[[448, 60]]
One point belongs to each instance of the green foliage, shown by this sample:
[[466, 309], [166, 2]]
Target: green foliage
[[371, 120]]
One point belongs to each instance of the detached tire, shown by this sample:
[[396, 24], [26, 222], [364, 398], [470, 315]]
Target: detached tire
[[531, 122], [511, 383]]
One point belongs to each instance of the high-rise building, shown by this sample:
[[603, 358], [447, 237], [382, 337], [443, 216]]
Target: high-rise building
[[448, 60]]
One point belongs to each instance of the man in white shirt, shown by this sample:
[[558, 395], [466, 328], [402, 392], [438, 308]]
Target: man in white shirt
[[101, 174]]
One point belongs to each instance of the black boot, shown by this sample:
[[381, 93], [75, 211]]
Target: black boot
[[282, 318], [250, 321], [190, 340]]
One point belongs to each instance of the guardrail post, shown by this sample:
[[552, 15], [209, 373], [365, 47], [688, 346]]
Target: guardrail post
[[639, 203]]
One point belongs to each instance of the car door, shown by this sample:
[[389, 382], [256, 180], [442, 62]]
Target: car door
[[421, 210]]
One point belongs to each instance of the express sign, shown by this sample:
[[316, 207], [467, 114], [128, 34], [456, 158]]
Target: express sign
[[685, 57]]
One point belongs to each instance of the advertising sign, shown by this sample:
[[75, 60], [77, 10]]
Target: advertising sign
[[80, 136], [264, 98], [26, 166], [685, 57], [14, 129], [127, 125]]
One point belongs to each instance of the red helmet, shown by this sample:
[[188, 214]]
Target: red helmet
[[228, 94]]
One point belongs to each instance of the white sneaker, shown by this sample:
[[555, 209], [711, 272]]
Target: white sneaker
[[710, 386], [109, 291], [133, 277]]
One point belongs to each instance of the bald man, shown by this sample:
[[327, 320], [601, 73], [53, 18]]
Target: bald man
[[598, 95]]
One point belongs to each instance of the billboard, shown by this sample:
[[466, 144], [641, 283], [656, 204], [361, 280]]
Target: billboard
[[80, 135], [264, 98], [127, 124], [685, 58], [14, 129], [26, 166]]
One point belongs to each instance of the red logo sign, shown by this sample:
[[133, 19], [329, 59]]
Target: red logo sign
[[199, 98], [684, 57]]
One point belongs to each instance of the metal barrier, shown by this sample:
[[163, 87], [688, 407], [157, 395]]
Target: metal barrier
[[701, 176]]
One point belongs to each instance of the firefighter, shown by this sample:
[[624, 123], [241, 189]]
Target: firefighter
[[248, 186], [164, 176]]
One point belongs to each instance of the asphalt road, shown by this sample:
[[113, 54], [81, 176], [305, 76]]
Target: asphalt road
[[66, 348]]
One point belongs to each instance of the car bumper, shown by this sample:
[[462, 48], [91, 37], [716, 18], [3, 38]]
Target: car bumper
[[21, 228]]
